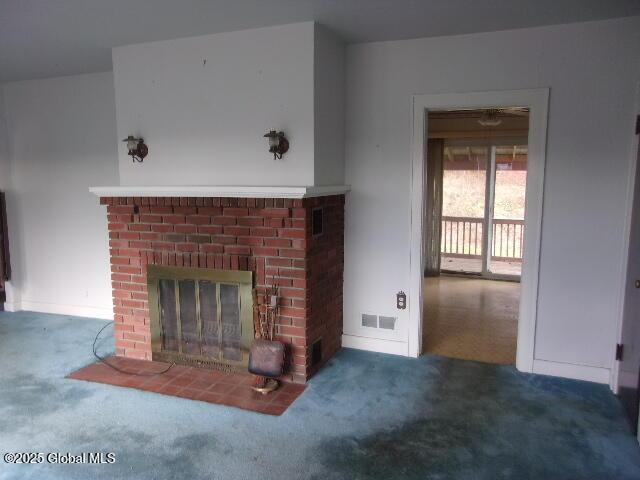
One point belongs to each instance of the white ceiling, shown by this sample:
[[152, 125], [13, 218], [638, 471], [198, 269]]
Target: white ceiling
[[45, 38]]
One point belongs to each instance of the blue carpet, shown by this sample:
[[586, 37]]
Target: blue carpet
[[364, 416]]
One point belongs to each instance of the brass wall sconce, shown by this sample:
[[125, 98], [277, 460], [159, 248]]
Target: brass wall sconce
[[137, 149], [278, 143]]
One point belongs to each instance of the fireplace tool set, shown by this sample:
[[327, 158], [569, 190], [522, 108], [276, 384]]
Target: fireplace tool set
[[266, 357]]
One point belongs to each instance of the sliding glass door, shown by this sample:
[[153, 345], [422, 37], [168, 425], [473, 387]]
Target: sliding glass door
[[507, 214], [464, 182], [483, 207]]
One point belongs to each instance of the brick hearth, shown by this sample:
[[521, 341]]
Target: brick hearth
[[270, 237]]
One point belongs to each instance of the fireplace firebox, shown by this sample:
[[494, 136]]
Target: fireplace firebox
[[200, 316]]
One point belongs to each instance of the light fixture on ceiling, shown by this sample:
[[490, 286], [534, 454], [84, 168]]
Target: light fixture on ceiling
[[278, 143], [490, 118], [136, 148]]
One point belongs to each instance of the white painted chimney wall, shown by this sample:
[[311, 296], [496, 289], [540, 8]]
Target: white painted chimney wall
[[203, 104]]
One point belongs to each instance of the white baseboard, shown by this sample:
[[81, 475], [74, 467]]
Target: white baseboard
[[570, 370], [12, 306], [61, 309], [375, 345], [542, 367]]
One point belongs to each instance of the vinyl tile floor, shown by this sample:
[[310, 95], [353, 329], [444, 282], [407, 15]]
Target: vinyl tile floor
[[471, 318]]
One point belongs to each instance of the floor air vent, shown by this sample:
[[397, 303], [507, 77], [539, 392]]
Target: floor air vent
[[369, 320], [388, 323], [316, 353], [375, 321]]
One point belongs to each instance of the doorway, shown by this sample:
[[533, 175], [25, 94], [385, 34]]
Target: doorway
[[536, 101], [476, 170]]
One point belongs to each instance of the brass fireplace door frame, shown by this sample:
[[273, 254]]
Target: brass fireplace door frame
[[244, 281]]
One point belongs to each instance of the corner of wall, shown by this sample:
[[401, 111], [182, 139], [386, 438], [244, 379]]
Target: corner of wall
[[329, 106]]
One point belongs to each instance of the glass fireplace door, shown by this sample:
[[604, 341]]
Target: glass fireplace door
[[200, 315]]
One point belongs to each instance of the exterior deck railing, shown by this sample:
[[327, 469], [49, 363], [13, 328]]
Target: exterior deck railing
[[462, 237]]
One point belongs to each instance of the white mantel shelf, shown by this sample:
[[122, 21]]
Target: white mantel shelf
[[219, 191]]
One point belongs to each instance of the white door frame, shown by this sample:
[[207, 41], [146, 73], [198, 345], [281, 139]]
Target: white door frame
[[537, 100], [614, 381], [489, 198]]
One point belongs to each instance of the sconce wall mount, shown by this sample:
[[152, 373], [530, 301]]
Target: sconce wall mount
[[137, 149], [278, 143]]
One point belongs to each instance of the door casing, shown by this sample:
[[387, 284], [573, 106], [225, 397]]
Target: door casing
[[632, 185], [537, 101]]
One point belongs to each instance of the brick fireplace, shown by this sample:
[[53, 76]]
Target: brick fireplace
[[272, 237]]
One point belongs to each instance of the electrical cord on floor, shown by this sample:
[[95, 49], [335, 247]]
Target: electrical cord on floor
[[117, 369]]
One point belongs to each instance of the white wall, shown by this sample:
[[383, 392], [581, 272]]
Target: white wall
[[329, 105], [592, 70], [204, 122], [62, 139]]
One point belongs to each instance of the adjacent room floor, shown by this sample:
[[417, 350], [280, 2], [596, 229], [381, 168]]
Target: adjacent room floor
[[364, 416], [471, 318], [466, 264]]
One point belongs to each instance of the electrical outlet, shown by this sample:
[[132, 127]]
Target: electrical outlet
[[401, 300]]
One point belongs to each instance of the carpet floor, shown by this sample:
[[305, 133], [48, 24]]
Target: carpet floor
[[364, 416]]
